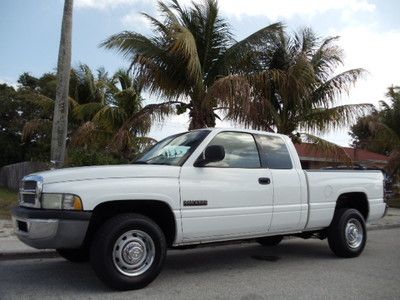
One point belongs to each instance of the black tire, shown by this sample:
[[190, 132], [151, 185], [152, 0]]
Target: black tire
[[270, 240], [106, 242], [75, 255], [341, 245]]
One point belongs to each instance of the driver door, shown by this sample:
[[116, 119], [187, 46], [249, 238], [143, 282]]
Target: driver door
[[229, 198]]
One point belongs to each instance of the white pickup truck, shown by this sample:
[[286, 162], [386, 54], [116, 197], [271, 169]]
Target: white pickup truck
[[201, 186]]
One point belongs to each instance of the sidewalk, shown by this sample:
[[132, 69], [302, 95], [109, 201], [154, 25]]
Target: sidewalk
[[12, 248]]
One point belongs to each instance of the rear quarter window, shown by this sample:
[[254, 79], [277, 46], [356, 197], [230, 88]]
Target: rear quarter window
[[274, 153]]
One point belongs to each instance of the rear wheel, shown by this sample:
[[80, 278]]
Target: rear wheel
[[347, 234], [74, 255], [128, 251], [270, 240]]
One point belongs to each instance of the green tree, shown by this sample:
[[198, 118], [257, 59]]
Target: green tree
[[110, 112], [189, 50], [10, 128], [25, 121], [294, 87], [380, 131]]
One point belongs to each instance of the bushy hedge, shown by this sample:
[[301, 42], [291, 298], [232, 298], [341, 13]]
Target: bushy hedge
[[81, 157]]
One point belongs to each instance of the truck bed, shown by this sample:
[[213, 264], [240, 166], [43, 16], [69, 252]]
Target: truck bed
[[326, 186]]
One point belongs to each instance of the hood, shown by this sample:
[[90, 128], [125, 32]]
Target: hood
[[102, 172]]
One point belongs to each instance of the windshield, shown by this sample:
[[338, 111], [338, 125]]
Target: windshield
[[173, 150]]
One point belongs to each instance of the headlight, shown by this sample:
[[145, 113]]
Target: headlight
[[61, 201]]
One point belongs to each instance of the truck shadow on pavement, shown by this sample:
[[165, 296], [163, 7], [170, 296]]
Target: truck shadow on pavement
[[243, 256], [61, 277]]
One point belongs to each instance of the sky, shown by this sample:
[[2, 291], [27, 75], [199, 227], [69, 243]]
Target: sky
[[369, 31]]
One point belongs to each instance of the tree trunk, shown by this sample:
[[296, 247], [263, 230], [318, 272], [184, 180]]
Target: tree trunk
[[60, 118], [201, 113], [201, 118]]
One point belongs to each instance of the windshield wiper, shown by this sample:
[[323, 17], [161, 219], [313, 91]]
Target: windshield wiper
[[139, 162]]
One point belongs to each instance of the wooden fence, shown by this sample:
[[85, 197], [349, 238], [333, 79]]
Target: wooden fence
[[11, 175]]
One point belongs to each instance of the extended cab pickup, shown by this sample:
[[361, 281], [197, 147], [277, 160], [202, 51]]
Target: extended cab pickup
[[202, 186]]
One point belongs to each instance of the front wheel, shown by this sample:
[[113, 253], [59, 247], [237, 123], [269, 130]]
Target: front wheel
[[128, 251], [347, 234]]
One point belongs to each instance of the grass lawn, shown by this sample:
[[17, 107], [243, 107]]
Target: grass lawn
[[8, 199]]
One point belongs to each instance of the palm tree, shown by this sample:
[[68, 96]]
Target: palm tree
[[189, 50], [296, 88], [60, 119], [111, 109], [380, 131]]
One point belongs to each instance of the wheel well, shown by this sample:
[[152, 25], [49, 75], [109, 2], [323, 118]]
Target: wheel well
[[356, 200], [158, 211]]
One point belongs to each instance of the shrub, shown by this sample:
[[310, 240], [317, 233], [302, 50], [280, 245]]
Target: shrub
[[85, 157]]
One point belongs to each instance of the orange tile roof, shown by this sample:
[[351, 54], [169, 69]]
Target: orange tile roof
[[309, 150]]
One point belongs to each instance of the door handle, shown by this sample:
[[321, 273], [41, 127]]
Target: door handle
[[264, 180]]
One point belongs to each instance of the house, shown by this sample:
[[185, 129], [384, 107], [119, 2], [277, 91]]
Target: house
[[312, 158]]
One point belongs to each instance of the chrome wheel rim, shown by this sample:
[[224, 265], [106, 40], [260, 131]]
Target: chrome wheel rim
[[133, 253], [354, 233]]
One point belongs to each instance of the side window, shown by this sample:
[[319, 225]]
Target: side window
[[274, 153], [240, 150]]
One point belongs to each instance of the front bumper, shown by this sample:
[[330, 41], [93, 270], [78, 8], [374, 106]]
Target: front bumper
[[50, 229]]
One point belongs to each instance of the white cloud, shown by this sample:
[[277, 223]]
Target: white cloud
[[287, 9], [376, 51], [103, 4], [273, 10], [136, 21]]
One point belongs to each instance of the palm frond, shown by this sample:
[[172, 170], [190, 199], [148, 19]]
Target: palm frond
[[330, 150], [130, 44], [323, 119], [35, 127], [327, 92], [246, 99], [326, 58], [87, 111], [155, 111], [45, 103], [168, 14], [239, 50], [86, 134], [110, 117], [382, 133], [184, 46]]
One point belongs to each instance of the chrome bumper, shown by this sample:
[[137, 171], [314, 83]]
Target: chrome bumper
[[49, 233]]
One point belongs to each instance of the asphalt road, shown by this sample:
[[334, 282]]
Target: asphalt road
[[296, 269]]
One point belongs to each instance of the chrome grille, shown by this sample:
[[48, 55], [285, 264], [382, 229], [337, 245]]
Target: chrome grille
[[29, 193], [28, 198], [29, 185]]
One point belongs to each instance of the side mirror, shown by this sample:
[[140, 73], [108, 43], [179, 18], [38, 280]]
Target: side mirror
[[212, 153]]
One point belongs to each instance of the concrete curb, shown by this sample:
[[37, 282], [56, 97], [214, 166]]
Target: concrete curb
[[382, 227], [28, 255], [38, 254]]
